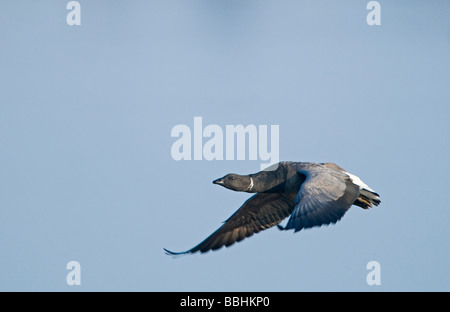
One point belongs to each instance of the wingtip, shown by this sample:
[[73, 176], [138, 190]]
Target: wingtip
[[172, 253], [281, 228]]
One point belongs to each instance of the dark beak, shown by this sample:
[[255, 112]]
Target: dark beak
[[218, 181]]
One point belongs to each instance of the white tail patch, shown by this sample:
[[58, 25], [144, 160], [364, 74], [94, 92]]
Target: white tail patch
[[356, 180], [370, 197]]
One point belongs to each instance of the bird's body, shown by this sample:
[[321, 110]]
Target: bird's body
[[310, 194]]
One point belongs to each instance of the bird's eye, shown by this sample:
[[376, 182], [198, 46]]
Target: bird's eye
[[232, 178]]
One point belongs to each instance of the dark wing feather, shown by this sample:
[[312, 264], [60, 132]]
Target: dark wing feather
[[323, 198], [258, 213]]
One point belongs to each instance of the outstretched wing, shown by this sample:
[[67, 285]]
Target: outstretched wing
[[323, 198], [258, 213]]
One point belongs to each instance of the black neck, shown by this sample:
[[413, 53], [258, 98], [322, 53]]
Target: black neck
[[267, 181]]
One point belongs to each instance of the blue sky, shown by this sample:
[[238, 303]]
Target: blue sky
[[86, 112]]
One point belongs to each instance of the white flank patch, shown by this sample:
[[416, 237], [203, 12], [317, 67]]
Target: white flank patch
[[356, 180]]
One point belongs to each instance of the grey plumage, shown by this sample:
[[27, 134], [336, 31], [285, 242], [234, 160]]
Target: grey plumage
[[312, 194]]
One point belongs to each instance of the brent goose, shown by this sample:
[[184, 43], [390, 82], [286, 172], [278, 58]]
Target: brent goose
[[312, 194]]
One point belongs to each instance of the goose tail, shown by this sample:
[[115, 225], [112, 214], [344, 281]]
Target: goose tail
[[367, 199]]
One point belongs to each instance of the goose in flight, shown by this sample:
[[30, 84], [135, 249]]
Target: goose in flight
[[310, 194]]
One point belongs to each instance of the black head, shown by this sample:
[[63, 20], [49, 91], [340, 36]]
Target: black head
[[234, 182]]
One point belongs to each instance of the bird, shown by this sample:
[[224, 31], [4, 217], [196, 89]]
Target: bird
[[310, 194]]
